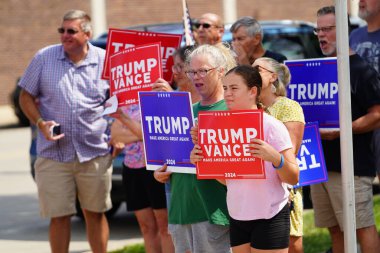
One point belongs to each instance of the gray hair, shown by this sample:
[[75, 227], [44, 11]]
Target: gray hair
[[326, 10], [282, 72], [83, 16], [252, 25], [217, 57]]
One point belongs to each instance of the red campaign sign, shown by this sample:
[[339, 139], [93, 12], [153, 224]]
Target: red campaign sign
[[133, 70], [224, 137], [119, 40]]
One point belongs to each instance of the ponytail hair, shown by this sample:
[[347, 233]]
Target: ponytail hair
[[282, 72]]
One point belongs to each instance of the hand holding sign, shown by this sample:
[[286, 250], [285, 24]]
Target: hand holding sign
[[196, 154], [264, 151], [162, 175], [194, 133], [161, 85]]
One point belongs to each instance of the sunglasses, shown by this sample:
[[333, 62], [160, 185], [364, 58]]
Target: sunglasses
[[70, 31], [258, 67], [204, 25]]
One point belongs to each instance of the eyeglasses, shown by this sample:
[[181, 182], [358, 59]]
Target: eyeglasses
[[258, 67], [70, 31], [324, 29], [177, 68], [204, 25], [201, 72]]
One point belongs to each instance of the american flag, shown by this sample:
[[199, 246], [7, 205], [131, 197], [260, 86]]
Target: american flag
[[189, 38]]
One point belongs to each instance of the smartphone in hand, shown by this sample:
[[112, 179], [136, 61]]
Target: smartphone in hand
[[55, 130]]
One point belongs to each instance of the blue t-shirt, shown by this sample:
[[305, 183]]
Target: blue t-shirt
[[367, 45]]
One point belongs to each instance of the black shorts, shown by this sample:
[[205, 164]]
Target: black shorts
[[262, 234], [142, 190]]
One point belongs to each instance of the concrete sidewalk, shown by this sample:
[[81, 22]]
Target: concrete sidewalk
[[132, 233], [7, 116]]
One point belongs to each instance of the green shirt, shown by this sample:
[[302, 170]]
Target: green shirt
[[194, 200]]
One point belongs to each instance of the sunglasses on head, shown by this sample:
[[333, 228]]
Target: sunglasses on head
[[204, 25], [71, 31]]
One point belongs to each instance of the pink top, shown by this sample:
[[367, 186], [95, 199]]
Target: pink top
[[134, 152], [252, 199]]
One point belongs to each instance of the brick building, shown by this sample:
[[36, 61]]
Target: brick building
[[28, 25]]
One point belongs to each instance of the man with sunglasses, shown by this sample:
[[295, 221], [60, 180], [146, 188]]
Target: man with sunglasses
[[208, 29], [365, 109], [247, 42], [66, 79]]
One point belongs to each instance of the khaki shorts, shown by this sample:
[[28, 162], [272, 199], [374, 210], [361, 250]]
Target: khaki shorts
[[60, 183], [296, 215], [327, 202]]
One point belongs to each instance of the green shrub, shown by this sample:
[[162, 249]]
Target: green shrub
[[136, 248]]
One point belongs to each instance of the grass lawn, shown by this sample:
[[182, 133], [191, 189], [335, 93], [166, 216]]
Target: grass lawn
[[315, 240]]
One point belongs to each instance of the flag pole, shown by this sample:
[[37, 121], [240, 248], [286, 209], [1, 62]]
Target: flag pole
[[186, 24], [345, 123]]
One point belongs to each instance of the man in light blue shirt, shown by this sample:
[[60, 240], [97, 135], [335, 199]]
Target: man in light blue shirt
[[66, 81]]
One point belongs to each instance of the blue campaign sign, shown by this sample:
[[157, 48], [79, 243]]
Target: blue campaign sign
[[166, 119], [310, 157], [314, 85]]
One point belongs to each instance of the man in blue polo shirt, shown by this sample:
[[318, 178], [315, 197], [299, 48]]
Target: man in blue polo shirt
[[65, 78]]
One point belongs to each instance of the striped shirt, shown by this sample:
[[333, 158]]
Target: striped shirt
[[73, 96]]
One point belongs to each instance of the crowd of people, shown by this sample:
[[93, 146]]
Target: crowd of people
[[176, 212]]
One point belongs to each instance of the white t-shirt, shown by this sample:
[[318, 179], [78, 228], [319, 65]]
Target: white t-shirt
[[252, 199]]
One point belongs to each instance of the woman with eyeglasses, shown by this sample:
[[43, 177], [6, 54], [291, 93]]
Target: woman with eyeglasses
[[258, 208], [275, 76], [198, 216]]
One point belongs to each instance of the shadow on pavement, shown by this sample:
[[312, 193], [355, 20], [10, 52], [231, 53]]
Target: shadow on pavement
[[9, 126]]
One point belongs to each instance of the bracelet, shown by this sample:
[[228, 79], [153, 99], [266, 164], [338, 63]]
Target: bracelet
[[39, 120], [282, 161]]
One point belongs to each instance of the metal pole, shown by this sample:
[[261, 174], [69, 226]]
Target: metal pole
[[345, 122], [99, 17], [229, 11]]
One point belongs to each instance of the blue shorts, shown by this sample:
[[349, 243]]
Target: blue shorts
[[262, 234]]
